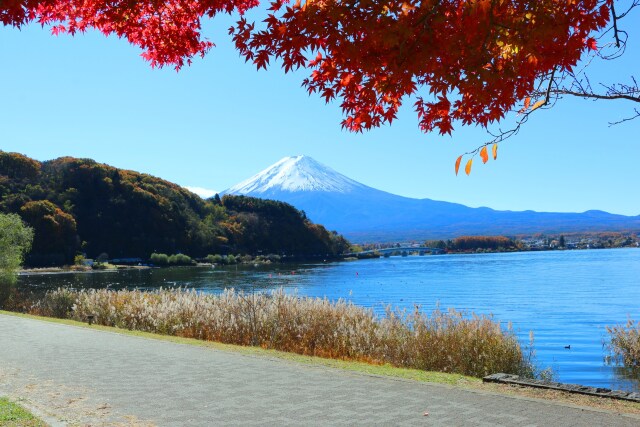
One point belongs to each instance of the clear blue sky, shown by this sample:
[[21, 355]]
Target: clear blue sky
[[220, 121]]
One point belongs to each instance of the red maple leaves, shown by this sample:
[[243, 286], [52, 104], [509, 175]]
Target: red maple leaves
[[168, 31], [474, 59], [465, 61]]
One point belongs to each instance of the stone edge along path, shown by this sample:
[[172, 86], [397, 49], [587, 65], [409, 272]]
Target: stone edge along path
[[569, 388]]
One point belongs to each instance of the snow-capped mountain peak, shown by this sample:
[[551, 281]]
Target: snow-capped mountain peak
[[293, 174]]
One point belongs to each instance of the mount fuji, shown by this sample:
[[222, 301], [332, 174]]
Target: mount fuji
[[297, 174], [363, 213]]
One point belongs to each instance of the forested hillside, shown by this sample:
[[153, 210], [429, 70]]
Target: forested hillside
[[81, 206]]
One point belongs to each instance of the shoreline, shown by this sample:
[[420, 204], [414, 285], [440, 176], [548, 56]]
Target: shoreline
[[119, 267], [67, 270]]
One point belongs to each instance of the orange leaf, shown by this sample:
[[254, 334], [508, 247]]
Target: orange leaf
[[458, 160], [527, 103], [538, 104], [494, 150], [484, 154], [467, 168]]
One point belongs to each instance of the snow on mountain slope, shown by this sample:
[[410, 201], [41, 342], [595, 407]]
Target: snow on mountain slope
[[299, 173], [364, 214]]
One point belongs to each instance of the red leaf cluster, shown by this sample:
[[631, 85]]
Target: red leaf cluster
[[467, 61], [168, 31]]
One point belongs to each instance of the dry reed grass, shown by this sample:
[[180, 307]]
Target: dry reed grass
[[446, 341], [624, 346]]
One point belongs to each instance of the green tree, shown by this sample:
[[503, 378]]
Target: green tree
[[562, 241], [15, 241], [159, 259], [180, 259]]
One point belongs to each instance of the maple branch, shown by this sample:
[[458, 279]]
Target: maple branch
[[501, 135], [614, 17], [633, 5], [548, 94], [617, 95], [581, 88], [635, 116], [620, 36]]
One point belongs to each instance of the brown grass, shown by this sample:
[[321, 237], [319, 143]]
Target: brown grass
[[624, 347], [445, 341]]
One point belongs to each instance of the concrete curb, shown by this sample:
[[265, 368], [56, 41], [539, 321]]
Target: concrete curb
[[569, 388]]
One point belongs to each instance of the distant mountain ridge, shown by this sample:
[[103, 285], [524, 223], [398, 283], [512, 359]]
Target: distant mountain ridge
[[364, 213]]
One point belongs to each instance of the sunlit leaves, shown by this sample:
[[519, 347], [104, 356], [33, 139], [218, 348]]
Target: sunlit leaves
[[538, 104], [525, 107], [458, 160], [467, 168], [484, 155], [483, 152]]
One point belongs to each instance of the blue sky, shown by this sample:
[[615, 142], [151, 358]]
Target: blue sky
[[220, 121]]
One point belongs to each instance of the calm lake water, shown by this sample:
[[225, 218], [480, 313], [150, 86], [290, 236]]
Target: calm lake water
[[564, 297]]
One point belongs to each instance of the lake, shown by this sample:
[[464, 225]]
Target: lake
[[564, 297]]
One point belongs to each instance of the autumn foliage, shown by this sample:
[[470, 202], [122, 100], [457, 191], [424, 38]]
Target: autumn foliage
[[79, 205], [467, 61], [474, 59], [167, 31], [466, 243]]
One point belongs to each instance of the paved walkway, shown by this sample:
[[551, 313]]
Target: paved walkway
[[80, 376]]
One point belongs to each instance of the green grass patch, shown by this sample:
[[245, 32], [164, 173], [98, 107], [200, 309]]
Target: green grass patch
[[14, 415]]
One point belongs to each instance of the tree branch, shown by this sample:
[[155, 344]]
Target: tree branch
[[628, 97], [635, 116], [614, 18]]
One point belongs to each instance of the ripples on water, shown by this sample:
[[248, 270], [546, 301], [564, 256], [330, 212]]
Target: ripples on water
[[564, 297]]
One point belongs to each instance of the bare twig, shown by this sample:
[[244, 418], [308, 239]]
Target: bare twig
[[627, 119], [633, 96]]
